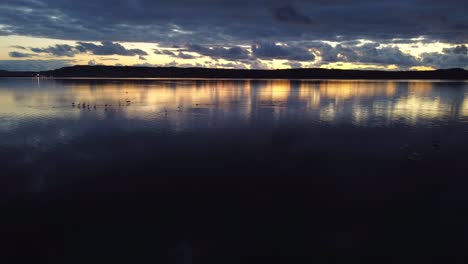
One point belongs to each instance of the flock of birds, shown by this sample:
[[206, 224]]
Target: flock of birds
[[85, 105], [88, 106]]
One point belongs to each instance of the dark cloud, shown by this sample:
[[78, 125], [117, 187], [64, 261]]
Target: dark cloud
[[105, 48], [236, 21], [415, 41], [5, 33], [219, 52], [180, 54], [456, 57], [286, 52], [366, 54], [184, 65], [256, 64], [108, 48], [231, 65], [289, 14], [165, 52], [146, 64], [141, 58], [18, 47], [461, 49], [170, 64], [94, 63], [186, 56], [16, 54], [293, 64], [108, 59], [60, 50]]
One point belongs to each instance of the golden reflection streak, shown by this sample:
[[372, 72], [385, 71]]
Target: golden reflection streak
[[414, 108], [220, 95], [343, 90], [274, 91], [168, 95], [31, 103], [340, 91], [360, 114], [274, 94], [464, 108], [420, 88], [310, 93], [418, 105]]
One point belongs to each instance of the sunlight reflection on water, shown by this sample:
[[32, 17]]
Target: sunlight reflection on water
[[360, 102]]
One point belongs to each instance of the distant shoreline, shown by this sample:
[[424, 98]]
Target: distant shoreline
[[233, 74], [226, 79]]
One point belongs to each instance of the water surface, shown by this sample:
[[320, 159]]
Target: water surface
[[225, 171]]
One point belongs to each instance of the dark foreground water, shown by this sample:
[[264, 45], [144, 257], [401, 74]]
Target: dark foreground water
[[233, 171]]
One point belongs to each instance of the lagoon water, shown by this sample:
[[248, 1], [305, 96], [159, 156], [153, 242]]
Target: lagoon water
[[233, 171]]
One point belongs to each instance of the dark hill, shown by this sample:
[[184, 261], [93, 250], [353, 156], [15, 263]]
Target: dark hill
[[15, 74], [173, 72]]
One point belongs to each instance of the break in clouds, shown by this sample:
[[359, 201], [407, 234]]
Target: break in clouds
[[244, 32]]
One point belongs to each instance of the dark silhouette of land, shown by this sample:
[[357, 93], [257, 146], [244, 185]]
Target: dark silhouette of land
[[16, 73], [174, 72]]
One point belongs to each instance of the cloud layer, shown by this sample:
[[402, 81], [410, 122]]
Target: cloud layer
[[245, 32], [105, 48], [224, 21]]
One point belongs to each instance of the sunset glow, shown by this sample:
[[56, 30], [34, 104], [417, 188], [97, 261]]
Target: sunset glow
[[272, 37]]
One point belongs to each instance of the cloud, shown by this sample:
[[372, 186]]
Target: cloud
[[236, 22], [256, 64], [170, 64], [224, 29], [370, 53], [231, 65], [164, 52], [18, 47], [146, 64], [141, 58], [34, 65], [219, 52], [289, 14], [460, 49], [108, 59], [353, 52], [105, 48], [94, 63], [383, 55], [293, 64], [450, 58], [60, 50], [16, 54], [455, 57], [108, 48], [285, 52], [184, 65], [180, 54], [186, 56]]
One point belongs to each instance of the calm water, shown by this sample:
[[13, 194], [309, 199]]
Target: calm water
[[203, 171]]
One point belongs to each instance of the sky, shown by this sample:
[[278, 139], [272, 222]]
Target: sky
[[245, 34]]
